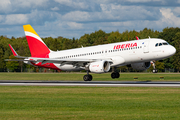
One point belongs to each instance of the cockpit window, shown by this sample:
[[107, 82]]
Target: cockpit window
[[165, 43], [156, 45], [160, 44]]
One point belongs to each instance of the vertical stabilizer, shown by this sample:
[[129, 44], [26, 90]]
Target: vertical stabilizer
[[37, 47]]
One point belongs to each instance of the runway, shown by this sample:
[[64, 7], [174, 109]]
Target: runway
[[90, 83]]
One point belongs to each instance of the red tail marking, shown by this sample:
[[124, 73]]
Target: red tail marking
[[37, 48]]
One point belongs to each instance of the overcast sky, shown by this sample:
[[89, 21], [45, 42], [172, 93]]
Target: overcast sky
[[74, 18]]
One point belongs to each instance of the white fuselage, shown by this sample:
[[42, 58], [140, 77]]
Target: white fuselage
[[121, 53]]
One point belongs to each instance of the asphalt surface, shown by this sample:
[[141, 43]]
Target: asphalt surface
[[90, 83]]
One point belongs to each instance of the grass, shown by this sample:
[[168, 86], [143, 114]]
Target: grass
[[105, 103], [74, 103], [96, 77]]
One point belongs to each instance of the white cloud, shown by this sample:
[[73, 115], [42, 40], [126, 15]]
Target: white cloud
[[15, 19], [29, 3], [74, 25], [176, 10], [1, 17], [77, 16], [5, 6], [169, 18], [112, 12], [145, 0], [138, 0], [60, 17], [19, 6], [55, 8], [73, 3]]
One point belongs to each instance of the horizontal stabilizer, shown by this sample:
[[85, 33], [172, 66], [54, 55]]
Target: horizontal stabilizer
[[15, 53]]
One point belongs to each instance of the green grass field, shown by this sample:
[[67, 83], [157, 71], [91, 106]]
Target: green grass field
[[90, 103], [96, 77]]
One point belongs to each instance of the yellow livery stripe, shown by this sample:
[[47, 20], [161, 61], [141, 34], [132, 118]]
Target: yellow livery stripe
[[29, 28]]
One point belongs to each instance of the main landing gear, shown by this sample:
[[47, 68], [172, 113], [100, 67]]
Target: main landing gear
[[115, 74], [154, 66], [87, 77]]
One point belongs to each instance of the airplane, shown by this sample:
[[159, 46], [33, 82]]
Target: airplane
[[139, 54]]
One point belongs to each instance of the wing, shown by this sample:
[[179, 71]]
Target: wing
[[58, 61]]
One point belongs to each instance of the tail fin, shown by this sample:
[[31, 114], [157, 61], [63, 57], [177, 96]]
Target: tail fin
[[37, 47]]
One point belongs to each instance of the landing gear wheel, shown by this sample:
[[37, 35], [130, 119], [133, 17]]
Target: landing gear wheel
[[90, 76], [87, 77], [154, 66], [115, 75], [155, 70]]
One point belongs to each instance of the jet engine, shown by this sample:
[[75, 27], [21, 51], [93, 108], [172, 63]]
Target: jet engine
[[99, 66], [141, 66]]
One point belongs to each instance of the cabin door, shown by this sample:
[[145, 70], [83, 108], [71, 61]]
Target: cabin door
[[146, 46]]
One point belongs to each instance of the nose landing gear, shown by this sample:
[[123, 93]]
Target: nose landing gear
[[154, 66]]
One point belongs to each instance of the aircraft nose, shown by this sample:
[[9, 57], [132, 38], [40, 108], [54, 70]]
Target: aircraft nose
[[172, 50]]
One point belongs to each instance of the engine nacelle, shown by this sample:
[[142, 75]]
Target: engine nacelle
[[141, 66], [99, 67]]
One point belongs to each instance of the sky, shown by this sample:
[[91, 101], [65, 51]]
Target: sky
[[74, 18]]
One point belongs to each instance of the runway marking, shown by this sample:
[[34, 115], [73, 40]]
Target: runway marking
[[89, 84]]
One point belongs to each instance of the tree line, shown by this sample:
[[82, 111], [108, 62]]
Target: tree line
[[171, 35]]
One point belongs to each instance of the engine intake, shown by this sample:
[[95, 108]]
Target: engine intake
[[99, 67]]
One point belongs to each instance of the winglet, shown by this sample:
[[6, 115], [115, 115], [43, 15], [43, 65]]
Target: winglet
[[13, 51]]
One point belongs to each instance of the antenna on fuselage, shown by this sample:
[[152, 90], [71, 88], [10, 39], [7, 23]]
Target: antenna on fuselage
[[149, 37]]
